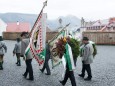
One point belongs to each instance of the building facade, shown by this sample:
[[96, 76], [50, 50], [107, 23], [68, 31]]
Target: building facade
[[3, 26], [101, 25]]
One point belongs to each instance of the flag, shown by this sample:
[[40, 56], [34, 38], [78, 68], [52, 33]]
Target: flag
[[64, 66], [55, 58], [69, 57], [54, 55], [36, 47]]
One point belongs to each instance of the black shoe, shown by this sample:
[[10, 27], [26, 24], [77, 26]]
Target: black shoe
[[41, 70], [87, 79], [31, 79], [62, 83], [24, 76], [1, 68], [18, 65], [47, 74], [81, 75], [16, 62]]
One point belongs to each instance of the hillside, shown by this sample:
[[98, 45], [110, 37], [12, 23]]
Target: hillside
[[53, 24]]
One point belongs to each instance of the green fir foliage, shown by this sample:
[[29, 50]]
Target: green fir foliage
[[95, 50], [75, 45]]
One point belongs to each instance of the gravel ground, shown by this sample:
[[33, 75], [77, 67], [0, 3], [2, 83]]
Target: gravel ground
[[103, 70]]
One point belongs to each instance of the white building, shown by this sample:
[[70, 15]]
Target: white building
[[2, 27], [102, 25]]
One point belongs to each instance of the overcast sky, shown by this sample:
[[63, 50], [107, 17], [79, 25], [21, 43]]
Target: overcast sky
[[89, 9]]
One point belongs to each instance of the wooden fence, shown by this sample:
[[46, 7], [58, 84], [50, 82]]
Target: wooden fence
[[101, 37], [14, 35]]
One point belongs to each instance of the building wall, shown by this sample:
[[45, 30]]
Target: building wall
[[11, 35], [2, 27], [101, 37], [14, 35]]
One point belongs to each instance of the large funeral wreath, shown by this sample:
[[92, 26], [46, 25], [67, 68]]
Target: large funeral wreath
[[74, 44]]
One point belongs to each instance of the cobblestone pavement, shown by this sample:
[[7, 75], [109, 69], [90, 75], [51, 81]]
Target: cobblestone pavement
[[103, 70]]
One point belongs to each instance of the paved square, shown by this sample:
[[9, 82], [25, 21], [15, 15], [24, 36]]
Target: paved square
[[103, 70]]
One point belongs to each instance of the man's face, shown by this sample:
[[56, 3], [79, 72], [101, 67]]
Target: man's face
[[84, 41]]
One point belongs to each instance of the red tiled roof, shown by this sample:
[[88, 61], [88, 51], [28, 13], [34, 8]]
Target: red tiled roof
[[112, 20], [18, 27]]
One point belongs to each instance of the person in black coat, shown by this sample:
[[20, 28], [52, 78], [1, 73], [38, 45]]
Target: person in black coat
[[47, 57]]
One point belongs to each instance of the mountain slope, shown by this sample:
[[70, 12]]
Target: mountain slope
[[31, 18], [14, 17], [74, 21]]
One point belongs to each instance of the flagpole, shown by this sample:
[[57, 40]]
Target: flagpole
[[59, 32], [44, 4]]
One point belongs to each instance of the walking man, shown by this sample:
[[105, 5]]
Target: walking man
[[87, 58], [17, 51], [28, 59], [69, 73]]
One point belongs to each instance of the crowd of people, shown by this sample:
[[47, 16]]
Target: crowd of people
[[86, 54]]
